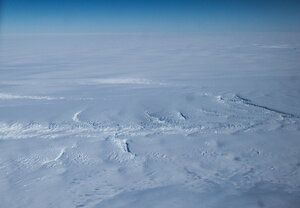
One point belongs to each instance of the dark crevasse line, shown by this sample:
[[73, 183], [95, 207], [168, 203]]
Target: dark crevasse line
[[183, 116], [249, 102], [127, 147]]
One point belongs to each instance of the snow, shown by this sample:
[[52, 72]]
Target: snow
[[150, 120]]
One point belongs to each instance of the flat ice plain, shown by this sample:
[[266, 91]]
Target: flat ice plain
[[150, 120]]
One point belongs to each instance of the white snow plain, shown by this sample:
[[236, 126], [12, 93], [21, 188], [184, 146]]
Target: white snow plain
[[150, 120]]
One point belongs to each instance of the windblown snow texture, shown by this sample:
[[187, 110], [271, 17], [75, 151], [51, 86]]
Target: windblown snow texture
[[150, 120]]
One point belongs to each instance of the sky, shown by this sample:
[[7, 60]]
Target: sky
[[96, 16]]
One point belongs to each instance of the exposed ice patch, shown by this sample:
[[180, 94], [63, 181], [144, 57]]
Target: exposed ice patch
[[278, 46], [6, 96], [117, 81]]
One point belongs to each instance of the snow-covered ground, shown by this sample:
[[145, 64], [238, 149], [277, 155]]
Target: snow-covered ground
[[150, 120]]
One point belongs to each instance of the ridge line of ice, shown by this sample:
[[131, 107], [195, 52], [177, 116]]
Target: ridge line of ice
[[75, 116]]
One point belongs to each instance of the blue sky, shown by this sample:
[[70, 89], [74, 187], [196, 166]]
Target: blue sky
[[88, 16]]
